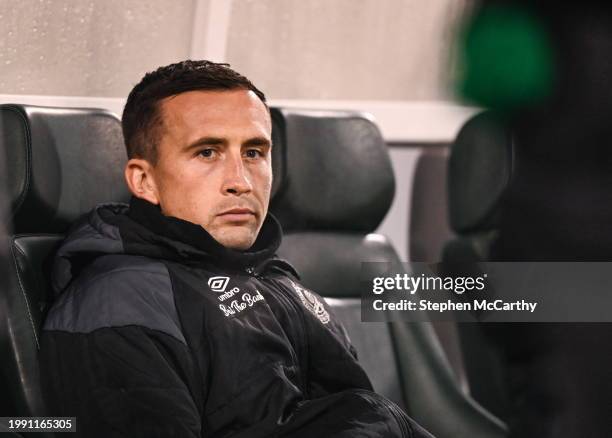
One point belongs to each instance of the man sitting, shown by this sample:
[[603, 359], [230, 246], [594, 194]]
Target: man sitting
[[173, 315]]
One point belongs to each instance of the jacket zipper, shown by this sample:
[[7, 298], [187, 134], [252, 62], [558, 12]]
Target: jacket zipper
[[287, 301]]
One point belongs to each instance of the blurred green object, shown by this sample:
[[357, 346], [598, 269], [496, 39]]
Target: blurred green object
[[506, 57]]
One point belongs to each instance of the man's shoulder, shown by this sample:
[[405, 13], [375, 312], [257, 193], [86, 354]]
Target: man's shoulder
[[118, 275], [116, 265], [117, 291]]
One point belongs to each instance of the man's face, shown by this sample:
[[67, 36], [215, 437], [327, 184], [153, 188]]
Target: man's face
[[214, 167]]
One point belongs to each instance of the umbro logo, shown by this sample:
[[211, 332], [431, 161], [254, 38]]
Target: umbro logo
[[218, 284]]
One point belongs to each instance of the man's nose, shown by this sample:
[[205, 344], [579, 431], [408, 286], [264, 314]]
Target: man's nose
[[237, 180]]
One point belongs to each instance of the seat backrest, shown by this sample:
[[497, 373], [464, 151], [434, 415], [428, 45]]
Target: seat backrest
[[481, 164], [428, 233], [334, 185], [326, 231], [480, 167], [61, 162]]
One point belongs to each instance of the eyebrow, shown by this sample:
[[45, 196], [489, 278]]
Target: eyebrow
[[257, 141], [219, 141]]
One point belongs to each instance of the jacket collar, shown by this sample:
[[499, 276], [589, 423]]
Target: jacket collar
[[181, 240]]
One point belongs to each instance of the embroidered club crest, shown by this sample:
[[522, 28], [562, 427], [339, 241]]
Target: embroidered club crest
[[312, 303]]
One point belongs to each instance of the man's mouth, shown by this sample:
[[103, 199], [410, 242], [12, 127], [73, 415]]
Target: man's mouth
[[237, 215]]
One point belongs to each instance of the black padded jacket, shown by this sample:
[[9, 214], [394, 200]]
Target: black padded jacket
[[159, 331]]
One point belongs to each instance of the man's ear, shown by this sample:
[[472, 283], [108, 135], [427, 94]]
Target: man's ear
[[140, 179]]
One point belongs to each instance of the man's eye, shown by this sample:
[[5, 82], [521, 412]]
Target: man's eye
[[253, 153], [207, 153]]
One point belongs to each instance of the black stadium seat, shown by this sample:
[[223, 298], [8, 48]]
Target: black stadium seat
[[334, 185], [429, 231], [548, 378], [481, 164], [60, 163]]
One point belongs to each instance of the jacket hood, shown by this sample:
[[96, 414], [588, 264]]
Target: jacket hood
[[141, 229]]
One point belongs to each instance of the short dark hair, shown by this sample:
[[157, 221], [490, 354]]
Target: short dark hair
[[141, 120]]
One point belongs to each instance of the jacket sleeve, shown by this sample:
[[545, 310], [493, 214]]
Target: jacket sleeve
[[121, 382]]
